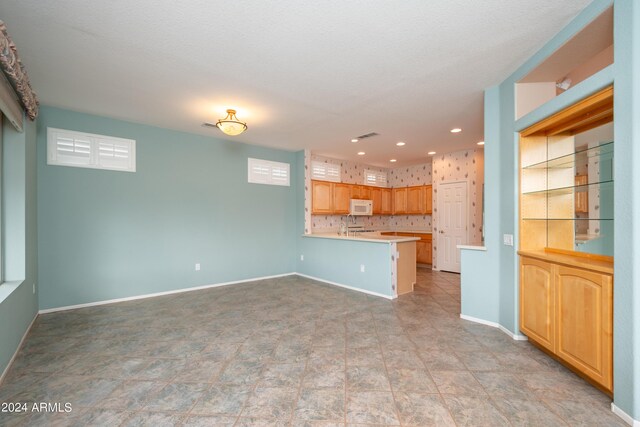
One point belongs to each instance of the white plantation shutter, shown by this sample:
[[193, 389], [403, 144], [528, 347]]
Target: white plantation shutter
[[326, 171], [267, 172], [376, 178], [86, 150]]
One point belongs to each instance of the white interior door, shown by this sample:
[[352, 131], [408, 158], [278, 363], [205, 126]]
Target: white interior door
[[452, 224]]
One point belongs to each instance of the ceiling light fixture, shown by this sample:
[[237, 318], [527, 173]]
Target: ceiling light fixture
[[393, 160], [400, 144], [431, 153], [361, 153], [231, 125], [456, 130], [354, 140], [481, 143]]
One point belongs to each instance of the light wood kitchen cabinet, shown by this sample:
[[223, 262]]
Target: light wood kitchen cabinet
[[330, 198], [428, 204], [399, 200], [387, 203], [585, 322], [424, 249], [537, 302], [321, 197], [415, 200], [341, 198], [361, 192], [568, 310]]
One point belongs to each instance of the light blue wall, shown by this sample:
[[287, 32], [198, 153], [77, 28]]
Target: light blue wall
[[339, 261], [18, 303], [626, 312], [107, 234], [479, 288], [499, 110]]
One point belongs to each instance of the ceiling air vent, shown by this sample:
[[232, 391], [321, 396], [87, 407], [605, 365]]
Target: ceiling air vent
[[368, 135]]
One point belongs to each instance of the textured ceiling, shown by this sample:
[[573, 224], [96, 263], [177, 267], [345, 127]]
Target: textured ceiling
[[302, 74]]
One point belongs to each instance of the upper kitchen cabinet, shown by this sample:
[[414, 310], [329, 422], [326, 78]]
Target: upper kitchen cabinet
[[381, 198], [428, 204], [361, 192], [415, 200], [341, 198], [399, 200], [329, 198], [321, 197]]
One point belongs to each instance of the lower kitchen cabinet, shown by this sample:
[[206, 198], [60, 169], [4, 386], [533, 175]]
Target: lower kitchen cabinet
[[424, 251], [568, 311]]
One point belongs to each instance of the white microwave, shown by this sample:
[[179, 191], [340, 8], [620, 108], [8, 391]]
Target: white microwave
[[360, 207]]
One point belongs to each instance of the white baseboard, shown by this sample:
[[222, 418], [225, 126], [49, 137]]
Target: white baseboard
[[351, 288], [158, 294], [625, 417], [517, 337], [6, 369]]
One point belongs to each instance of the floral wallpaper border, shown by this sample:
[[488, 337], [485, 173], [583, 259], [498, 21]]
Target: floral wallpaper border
[[13, 68]]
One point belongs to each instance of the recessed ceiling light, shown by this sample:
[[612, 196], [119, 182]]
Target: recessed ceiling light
[[354, 140], [431, 153], [361, 153], [400, 144], [456, 130], [393, 160], [481, 143]]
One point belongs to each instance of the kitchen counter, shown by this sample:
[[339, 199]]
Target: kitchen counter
[[365, 237], [360, 262]]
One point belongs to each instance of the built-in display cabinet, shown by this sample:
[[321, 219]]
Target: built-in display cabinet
[[566, 236]]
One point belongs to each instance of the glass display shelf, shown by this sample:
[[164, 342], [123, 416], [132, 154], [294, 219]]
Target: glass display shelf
[[569, 160], [603, 185]]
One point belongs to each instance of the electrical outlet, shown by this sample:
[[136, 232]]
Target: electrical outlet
[[507, 239], [301, 257], [361, 268], [198, 267]]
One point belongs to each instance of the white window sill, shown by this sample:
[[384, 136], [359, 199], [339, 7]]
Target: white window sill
[[7, 288]]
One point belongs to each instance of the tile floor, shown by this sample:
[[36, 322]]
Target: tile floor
[[292, 351]]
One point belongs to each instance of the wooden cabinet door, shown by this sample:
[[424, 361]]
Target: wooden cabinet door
[[415, 200], [537, 302], [581, 195], [321, 197], [376, 198], [354, 191], [428, 197], [422, 255], [387, 204], [399, 200], [341, 198], [365, 192], [585, 322]]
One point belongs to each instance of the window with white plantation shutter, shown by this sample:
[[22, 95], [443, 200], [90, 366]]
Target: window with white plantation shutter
[[326, 171], [87, 150], [268, 172], [375, 178]]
